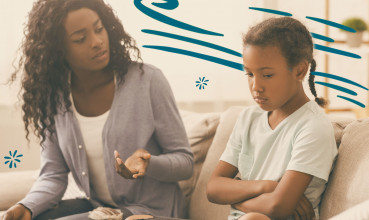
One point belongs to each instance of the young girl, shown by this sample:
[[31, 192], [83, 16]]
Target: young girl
[[283, 148], [88, 101]]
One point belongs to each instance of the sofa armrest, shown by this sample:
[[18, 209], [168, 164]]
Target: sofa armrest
[[358, 212], [200, 129], [14, 186], [199, 201]]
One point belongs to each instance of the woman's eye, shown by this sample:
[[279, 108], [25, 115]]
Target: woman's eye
[[98, 30], [268, 75], [80, 40]]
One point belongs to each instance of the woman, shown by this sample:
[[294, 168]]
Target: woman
[[98, 114]]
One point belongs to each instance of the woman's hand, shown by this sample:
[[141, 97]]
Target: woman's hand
[[304, 210], [17, 212], [121, 168], [135, 166]]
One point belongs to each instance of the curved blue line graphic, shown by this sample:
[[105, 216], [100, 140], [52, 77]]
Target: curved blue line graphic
[[353, 101], [217, 60], [336, 51], [331, 76], [168, 4], [170, 21], [192, 40], [331, 23], [271, 11], [340, 88], [321, 37]]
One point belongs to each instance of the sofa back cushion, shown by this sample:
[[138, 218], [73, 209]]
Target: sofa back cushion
[[200, 207], [348, 183], [339, 124], [14, 186], [200, 129]]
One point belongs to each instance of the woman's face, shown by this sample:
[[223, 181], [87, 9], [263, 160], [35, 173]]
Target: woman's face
[[86, 41], [272, 84]]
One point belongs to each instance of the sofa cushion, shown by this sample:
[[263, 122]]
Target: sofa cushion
[[348, 184], [339, 124], [23, 181], [358, 212], [14, 186], [200, 207], [200, 129]]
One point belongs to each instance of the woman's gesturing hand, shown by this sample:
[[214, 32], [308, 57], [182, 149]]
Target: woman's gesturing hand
[[135, 166]]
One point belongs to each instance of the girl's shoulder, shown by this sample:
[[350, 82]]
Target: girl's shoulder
[[250, 114], [313, 112], [253, 110], [314, 118]]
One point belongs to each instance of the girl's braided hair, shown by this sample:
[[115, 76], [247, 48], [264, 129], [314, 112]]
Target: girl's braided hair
[[294, 40]]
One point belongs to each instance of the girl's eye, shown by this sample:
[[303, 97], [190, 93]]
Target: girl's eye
[[249, 74], [268, 75], [80, 40]]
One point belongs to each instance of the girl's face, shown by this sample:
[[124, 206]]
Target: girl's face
[[86, 40], [272, 84]]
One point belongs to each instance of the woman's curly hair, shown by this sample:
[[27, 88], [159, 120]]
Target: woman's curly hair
[[45, 77]]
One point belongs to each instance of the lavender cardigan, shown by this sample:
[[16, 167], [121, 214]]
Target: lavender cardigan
[[143, 115]]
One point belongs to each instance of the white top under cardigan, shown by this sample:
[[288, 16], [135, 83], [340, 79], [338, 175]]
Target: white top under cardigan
[[91, 129]]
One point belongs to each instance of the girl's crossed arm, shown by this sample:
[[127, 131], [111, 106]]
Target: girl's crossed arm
[[282, 202], [223, 189]]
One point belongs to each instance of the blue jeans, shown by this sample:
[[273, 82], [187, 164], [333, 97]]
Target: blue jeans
[[72, 209]]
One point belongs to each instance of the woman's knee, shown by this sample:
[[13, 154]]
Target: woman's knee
[[254, 216]]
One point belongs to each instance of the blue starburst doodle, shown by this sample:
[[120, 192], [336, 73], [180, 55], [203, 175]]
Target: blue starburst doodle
[[202, 83], [13, 159]]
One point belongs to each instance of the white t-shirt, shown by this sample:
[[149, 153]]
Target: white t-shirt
[[304, 142], [91, 129]]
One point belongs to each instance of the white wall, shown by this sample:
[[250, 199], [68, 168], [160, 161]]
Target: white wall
[[12, 17], [354, 69], [182, 71]]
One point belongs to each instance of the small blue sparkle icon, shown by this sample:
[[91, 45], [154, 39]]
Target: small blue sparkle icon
[[13, 159], [202, 83]]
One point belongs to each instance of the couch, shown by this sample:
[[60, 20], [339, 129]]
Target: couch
[[346, 196]]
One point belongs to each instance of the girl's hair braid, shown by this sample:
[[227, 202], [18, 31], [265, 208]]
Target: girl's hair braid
[[321, 101]]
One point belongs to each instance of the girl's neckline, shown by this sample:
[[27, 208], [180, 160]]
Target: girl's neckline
[[266, 117]]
